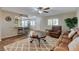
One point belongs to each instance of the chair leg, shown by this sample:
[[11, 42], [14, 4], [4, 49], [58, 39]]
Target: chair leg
[[44, 40], [31, 41]]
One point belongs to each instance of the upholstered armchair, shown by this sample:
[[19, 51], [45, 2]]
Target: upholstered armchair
[[55, 31]]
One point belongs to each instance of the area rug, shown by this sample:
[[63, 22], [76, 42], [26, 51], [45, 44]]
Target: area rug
[[25, 45]]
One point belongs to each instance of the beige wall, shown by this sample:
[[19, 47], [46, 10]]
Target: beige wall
[[0, 26], [37, 23], [61, 18], [7, 28], [78, 16], [0, 30]]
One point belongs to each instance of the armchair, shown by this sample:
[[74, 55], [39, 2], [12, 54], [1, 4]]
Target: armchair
[[55, 31]]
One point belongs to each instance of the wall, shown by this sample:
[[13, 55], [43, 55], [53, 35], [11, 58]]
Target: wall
[[61, 18], [7, 28], [0, 30], [78, 16], [37, 23], [0, 26]]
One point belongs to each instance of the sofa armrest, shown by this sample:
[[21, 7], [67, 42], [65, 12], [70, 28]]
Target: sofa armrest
[[55, 32], [56, 44], [50, 30]]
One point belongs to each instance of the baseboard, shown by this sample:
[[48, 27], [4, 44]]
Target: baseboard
[[11, 37]]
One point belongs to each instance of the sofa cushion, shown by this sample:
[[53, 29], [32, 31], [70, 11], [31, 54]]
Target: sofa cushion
[[74, 45], [61, 48], [63, 44], [74, 36], [71, 34], [65, 40], [32, 33]]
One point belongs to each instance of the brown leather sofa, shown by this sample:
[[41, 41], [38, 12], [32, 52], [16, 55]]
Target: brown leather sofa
[[55, 31]]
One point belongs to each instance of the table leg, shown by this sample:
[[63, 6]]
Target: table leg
[[39, 41]]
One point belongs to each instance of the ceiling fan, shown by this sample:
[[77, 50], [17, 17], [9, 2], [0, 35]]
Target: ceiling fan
[[43, 9]]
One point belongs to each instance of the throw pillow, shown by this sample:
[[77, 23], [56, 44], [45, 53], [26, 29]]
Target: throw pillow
[[71, 34], [33, 33]]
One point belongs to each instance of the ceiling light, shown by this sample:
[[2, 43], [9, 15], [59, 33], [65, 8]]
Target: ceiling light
[[40, 11]]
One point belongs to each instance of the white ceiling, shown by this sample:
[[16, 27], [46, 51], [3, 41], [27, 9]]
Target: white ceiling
[[31, 11]]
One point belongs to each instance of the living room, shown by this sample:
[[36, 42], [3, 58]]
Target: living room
[[11, 24]]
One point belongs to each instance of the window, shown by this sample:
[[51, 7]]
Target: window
[[24, 22], [32, 23], [50, 22], [53, 22]]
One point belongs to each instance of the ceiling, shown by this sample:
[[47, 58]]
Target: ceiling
[[31, 11]]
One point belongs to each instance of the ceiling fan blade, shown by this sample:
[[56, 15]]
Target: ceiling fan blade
[[47, 8], [45, 11], [40, 8]]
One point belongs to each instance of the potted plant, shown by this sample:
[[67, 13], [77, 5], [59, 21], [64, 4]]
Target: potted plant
[[71, 22]]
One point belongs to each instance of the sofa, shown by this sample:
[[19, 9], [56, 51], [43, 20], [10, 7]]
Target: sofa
[[66, 43], [55, 31]]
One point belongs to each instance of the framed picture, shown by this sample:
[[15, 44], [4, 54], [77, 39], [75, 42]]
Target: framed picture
[[8, 18]]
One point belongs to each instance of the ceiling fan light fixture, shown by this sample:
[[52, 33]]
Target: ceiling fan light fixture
[[40, 11]]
